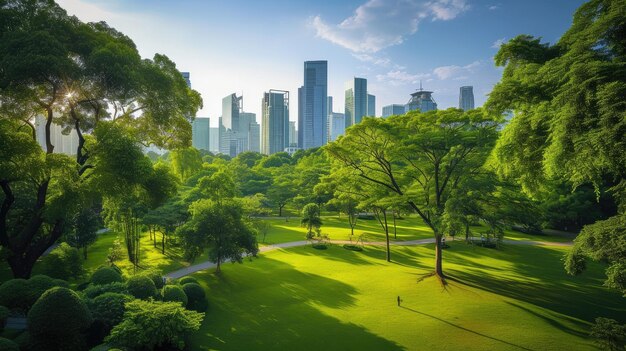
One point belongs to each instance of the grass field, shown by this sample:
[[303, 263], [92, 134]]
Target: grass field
[[516, 298]]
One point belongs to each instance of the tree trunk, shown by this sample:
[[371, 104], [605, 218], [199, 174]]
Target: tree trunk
[[163, 242], [387, 236], [280, 211], [395, 232], [218, 268], [85, 253], [467, 231], [438, 258]]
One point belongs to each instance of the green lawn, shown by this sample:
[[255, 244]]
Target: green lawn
[[516, 298]]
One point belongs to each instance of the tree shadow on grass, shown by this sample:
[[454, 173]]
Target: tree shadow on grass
[[465, 329], [273, 306]]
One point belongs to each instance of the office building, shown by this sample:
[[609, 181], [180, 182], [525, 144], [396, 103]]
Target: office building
[[229, 125], [421, 100], [371, 105], [337, 125], [312, 105], [466, 98], [186, 78], [275, 134], [214, 140], [293, 134], [200, 133], [356, 101], [254, 137], [394, 109]]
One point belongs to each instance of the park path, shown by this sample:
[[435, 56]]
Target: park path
[[207, 264]]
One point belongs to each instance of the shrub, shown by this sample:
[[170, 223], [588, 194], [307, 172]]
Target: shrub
[[14, 294], [64, 262], [95, 290], [174, 293], [57, 319], [352, 247], [196, 299], [108, 308], [187, 279], [156, 276], [39, 284], [320, 246], [142, 318], [141, 287], [8, 345], [24, 341], [609, 334], [106, 275], [4, 314]]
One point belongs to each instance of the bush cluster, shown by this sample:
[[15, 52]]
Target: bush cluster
[[196, 299], [141, 287], [352, 247], [156, 276], [108, 308], [64, 262], [8, 345], [106, 275], [93, 291], [21, 294], [187, 279], [175, 293]]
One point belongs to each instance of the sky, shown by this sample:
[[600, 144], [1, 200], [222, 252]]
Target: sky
[[251, 46]]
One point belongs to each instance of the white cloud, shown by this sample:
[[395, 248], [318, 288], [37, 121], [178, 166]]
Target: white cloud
[[496, 44], [384, 61], [454, 71], [493, 7], [378, 24], [400, 77]]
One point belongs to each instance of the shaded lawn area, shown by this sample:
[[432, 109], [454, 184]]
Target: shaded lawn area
[[516, 298]]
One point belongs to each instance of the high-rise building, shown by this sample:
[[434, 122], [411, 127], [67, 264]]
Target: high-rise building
[[64, 140], [466, 98], [254, 137], [214, 140], [229, 125], [293, 134], [371, 105], [186, 78], [337, 125], [248, 133], [312, 109], [200, 133], [356, 101], [421, 100], [275, 134], [394, 109]]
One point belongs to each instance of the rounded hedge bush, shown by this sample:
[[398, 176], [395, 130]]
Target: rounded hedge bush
[[39, 284], [352, 247], [57, 319], [187, 279], [15, 294], [106, 275], [95, 290], [8, 345], [196, 299], [141, 287], [156, 277], [175, 293], [108, 308]]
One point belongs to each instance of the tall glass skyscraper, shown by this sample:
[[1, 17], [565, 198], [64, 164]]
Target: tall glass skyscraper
[[394, 109], [229, 124], [466, 98], [200, 133], [371, 105], [275, 133], [312, 105], [356, 101]]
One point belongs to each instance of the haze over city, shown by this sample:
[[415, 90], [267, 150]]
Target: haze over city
[[250, 47]]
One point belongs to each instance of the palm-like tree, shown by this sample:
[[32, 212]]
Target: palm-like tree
[[311, 219]]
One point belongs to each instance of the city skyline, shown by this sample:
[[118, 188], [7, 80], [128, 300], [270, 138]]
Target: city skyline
[[447, 44]]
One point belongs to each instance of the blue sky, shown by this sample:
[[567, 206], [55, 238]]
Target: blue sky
[[252, 46]]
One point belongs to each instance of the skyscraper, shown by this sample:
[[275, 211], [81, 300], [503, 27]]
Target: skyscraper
[[371, 105], [394, 109], [421, 100], [312, 101], [200, 133], [275, 133], [248, 134], [229, 124], [186, 78], [337, 125], [356, 101], [214, 140], [466, 98], [293, 134]]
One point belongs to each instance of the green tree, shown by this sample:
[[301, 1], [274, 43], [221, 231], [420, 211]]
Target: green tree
[[282, 189], [419, 157], [84, 228], [78, 75], [311, 219], [185, 162], [569, 109], [220, 229]]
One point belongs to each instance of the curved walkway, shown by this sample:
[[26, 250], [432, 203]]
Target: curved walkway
[[207, 264]]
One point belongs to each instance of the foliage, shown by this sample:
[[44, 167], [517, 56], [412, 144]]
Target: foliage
[[85, 225], [609, 334], [282, 189], [148, 325], [8, 345], [187, 279], [196, 298], [44, 320], [108, 309], [219, 228], [63, 262], [115, 252], [311, 219], [141, 287], [21, 294], [156, 276], [106, 275], [39, 284], [602, 241], [93, 291], [185, 162], [4, 313], [175, 293]]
